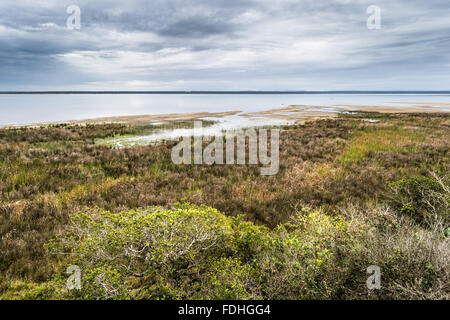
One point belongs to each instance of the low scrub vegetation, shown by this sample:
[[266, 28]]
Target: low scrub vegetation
[[349, 194]]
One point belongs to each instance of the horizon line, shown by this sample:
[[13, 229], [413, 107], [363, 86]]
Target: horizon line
[[226, 92]]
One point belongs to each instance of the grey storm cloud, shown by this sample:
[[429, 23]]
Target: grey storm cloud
[[225, 45]]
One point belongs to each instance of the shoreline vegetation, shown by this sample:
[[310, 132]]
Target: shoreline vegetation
[[350, 193]]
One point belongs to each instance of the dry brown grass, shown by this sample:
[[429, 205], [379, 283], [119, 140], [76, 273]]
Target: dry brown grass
[[48, 173]]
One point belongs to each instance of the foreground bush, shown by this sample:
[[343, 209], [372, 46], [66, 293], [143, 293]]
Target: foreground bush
[[181, 253], [199, 253], [426, 199]]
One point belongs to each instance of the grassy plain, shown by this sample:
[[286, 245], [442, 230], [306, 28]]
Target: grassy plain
[[349, 194]]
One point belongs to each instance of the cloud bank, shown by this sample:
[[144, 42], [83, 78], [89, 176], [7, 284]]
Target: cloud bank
[[225, 45]]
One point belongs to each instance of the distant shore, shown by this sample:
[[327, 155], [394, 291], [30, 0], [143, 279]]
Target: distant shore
[[226, 92]]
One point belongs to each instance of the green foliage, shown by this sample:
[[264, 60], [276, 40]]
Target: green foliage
[[151, 243], [228, 278], [25, 290], [302, 262], [423, 198], [265, 247], [198, 253]]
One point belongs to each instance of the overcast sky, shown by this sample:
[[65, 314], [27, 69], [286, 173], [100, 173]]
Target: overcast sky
[[225, 45]]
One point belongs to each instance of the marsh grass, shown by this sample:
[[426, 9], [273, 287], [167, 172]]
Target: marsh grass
[[49, 173], [386, 139]]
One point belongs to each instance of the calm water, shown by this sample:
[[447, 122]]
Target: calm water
[[26, 109]]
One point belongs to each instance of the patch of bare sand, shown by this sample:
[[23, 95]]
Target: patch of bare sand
[[148, 118], [305, 112], [298, 113], [163, 117], [391, 109], [425, 103]]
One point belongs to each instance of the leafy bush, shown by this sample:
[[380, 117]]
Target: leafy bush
[[301, 262], [426, 199], [175, 251], [199, 253]]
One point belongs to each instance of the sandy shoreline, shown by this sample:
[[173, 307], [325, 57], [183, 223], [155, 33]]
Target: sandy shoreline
[[306, 112], [137, 119], [292, 113], [147, 118], [297, 113]]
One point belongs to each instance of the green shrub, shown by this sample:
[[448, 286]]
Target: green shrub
[[303, 261], [229, 279], [426, 199], [176, 251], [195, 252]]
